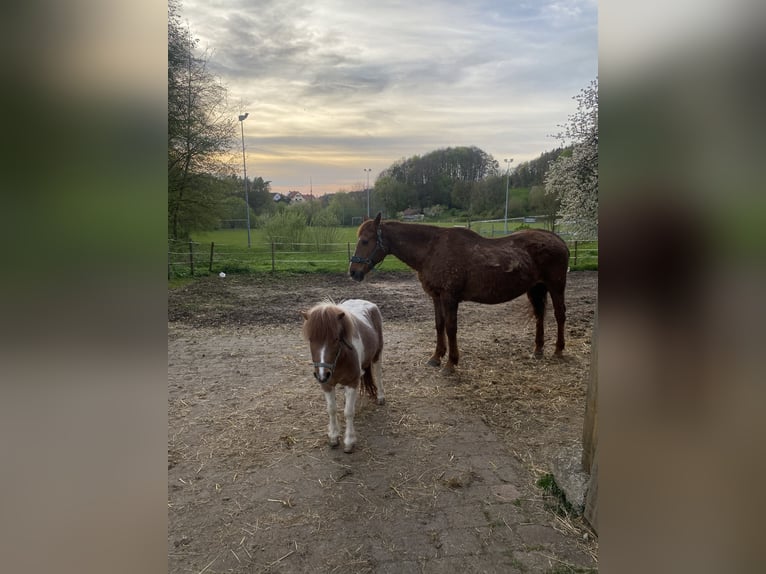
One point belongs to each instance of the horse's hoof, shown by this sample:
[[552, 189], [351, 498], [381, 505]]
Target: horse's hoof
[[433, 362], [348, 449], [448, 369], [381, 401], [537, 354], [334, 443]]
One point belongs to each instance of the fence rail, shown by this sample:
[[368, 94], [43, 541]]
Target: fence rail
[[190, 258]]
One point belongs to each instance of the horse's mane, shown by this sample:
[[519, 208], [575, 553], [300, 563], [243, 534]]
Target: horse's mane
[[322, 323]]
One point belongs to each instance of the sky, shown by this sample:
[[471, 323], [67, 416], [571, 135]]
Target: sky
[[335, 87]]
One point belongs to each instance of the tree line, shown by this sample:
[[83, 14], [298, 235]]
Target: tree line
[[463, 180]]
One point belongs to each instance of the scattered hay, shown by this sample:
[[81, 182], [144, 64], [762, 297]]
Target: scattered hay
[[242, 420]]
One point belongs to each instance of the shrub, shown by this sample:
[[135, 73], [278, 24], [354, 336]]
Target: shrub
[[286, 227]]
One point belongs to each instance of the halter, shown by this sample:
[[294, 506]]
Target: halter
[[368, 260], [331, 366]]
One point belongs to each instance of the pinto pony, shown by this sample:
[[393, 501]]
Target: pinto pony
[[457, 264], [346, 342]]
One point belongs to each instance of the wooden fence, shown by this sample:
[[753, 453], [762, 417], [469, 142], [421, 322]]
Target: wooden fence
[[190, 258]]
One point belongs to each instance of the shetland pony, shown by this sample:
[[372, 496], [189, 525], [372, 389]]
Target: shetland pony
[[346, 343]]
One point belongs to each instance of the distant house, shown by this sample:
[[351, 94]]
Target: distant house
[[292, 197], [298, 197]]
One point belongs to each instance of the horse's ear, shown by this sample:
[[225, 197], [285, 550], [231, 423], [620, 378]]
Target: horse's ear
[[305, 315], [377, 219], [341, 314]]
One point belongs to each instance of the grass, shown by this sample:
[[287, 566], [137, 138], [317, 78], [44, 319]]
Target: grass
[[559, 504], [231, 255], [237, 238]]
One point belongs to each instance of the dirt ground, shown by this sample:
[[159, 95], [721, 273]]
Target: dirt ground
[[443, 478]]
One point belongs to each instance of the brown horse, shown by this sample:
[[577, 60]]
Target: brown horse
[[457, 264], [346, 343]]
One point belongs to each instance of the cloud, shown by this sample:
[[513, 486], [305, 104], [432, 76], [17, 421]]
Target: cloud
[[399, 77]]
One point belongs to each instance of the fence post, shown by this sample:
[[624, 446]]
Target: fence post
[[273, 268], [191, 257], [590, 433], [348, 248], [575, 258], [212, 246]]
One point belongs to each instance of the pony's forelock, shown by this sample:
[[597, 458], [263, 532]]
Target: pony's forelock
[[322, 322]]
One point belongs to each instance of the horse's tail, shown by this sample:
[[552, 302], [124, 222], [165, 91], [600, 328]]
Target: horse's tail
[[368, 385], [537, 297]]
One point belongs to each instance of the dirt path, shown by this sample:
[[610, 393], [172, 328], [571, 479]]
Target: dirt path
[[443, 476]]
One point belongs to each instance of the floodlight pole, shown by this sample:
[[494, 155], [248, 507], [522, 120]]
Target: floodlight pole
[[242, 119], [507, 185], [368, 170]]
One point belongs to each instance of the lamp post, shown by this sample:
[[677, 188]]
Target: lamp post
[[507, 182], [368, 170], [242, 118]]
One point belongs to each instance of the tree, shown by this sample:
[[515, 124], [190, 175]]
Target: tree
[[460, 198], [488, 197], [207, 200], [531, 173], [573, 179], [546, 204], [393, 194], [200, 128], [345, 206], [259, 195], [431, 179]]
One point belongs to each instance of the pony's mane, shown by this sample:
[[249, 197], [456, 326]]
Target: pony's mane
[[322, 323]]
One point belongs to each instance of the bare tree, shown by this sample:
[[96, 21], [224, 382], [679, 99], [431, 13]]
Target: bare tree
[[200, 128]]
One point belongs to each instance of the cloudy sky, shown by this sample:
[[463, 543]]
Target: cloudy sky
[[337, 86]]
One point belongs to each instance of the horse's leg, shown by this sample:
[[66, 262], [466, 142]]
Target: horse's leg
[[536, 297], [560, 310], [441, 348], [378, 378], [350, 439], [332, 409], [449, 310]]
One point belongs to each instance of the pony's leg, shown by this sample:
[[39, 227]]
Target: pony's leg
[[536, 296], [333, 433], [350, 439], [378, 378], [560, 311], [441, 348]]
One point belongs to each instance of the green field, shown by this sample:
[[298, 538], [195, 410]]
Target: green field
[[238, 237], [230, 253]]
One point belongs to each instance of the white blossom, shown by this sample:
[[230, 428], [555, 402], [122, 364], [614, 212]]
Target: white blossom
[[574, 178]]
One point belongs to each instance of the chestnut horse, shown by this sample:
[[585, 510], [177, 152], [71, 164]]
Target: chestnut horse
[[456, 264], [346, 342]]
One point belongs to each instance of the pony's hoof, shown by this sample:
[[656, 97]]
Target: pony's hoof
[[381, 401], [448, 369], [538, 354], [348, 449], [334, 442], [433, 362]]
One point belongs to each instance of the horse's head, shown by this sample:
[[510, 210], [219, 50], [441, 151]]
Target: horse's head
[[325, 327], [369, 249]]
